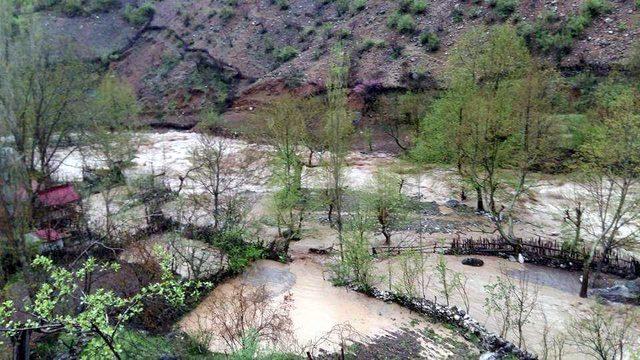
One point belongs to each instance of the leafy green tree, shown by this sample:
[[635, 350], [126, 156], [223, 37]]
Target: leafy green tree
[[358, 260], [609, 178], [286, 133], [387, 203], [43, 91], [67, 304], [337, 135]]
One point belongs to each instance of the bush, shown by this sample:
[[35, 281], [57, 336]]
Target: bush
[[342, 6], [226, 13], [282, 4], [286, 53], [72, 7], [406, 24], [457, 15], [419, 6], [595, 8], [102, 5], [359, 5], [369, 44], [139, 16], [343, 34], [430, 40], [504, 8]]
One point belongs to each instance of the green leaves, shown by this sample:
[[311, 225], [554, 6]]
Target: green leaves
[[60, 304]]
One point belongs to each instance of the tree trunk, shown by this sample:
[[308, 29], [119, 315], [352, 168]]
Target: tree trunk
[[480, 203], [586, 271], [21, 348]]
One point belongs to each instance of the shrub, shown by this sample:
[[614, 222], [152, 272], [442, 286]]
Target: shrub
[[282, 4], [595, 8], [457, 15], [419, 6], [286, 53], [72, 7], [406, 24], [504, 8], [359, 5], [343, 34], [226, 13], [139, 16], [392, 20], [342, 6], [102, 5], [369, 44], [430, 40]]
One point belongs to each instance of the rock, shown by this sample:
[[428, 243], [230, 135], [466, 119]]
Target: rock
[[625, 292], [520, 259], [452, 203], [321, 251], [472, 262], [488, 356], [511, 258]]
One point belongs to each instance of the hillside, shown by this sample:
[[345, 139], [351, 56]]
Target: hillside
[[236, 54]]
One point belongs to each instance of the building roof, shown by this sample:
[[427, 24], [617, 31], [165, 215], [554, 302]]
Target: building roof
[[48, 235], [58, 195]]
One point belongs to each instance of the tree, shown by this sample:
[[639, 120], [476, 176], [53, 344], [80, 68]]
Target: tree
[[512, 304], [61, 305], [604, 334], [609, 176], [337, 134], [220, 172], [408, 111], [387, 203], [110, 140], [286, 133], [246, 311], [357, 260], [43, 91]]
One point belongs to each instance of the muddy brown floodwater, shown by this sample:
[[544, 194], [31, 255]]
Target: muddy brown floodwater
[[557, 300], [318, 306]]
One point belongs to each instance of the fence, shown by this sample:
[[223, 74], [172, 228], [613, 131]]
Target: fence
[[537, 250]]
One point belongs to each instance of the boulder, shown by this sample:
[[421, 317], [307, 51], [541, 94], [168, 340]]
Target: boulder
[[472, 262], [625, 292]]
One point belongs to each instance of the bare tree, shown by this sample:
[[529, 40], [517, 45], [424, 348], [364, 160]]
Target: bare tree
[[603, 333], [243, 310], [220, 172]]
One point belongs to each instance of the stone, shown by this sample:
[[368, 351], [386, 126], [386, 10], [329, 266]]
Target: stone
[[472, 262], [452, 203], [625, 292], [488, 356], [520, 259]]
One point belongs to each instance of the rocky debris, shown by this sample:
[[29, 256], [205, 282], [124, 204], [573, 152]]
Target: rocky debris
[[472, 262], [625, 292], [489, 341]]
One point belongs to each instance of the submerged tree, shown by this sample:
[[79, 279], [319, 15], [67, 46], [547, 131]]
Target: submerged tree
[[286, 133], [387, 203], [337, 134], [609, 179]]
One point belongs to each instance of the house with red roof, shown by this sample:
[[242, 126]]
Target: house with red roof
[[58, 207]]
